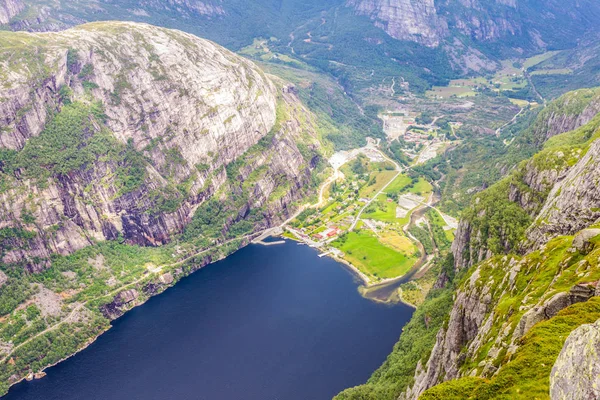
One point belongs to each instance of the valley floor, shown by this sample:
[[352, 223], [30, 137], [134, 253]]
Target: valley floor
[[380, 220]]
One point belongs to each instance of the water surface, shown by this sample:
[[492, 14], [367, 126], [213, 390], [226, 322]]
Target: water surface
[[267, 323]]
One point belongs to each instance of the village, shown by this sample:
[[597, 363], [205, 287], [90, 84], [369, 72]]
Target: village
[[365, 216]]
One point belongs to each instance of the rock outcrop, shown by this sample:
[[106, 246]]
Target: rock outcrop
[[573, 204], [557, 187], [9, 9], [187, 107], [499, 303], [576, 373], [405, 19], [567, 113]]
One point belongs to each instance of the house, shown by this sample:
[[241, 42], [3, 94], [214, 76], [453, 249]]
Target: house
[[331, 232]]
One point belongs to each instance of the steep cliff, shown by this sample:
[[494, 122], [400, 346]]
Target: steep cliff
[[9, 9], [120, 129], [416, 21], [567, 113], [497, 306], [130, 156], [573, 203], [506, 308], [497, 220], [430, 23], [474, 33]]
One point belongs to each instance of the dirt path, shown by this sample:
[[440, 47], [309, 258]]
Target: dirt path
[[512, 121], [528, 77], [337, 174]]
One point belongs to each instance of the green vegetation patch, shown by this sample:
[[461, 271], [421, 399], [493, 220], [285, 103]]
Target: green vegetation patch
[[527, 374], [73, 140], [366, 253], [381, 210], [501, 222]]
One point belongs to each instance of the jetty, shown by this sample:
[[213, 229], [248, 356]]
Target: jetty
[[269, 232]]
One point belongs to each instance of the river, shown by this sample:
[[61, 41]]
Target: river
[[266, 323]]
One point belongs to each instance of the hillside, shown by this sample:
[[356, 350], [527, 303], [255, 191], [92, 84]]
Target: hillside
[[522, 277], [122, 134], [425, 43]]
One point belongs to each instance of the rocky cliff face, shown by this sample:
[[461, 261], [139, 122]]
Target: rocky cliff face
[[405, 19], [576, 374], [9, 9], [497, 306], [567, 113], [545, 214], [533, 182], [427, 23], [187, 8], [573, 203], [173, 111], [527, 25]]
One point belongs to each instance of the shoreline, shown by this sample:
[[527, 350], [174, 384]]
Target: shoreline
[[366, 285], [244, 241]]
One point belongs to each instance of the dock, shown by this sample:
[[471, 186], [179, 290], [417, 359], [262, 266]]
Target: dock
[[270, 232]]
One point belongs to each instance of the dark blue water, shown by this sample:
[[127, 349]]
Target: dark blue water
[[267, 323]]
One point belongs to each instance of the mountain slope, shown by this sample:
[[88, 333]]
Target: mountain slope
[[161, 120], [490, 226], [115, 135], [523, 275], [495, 324], [361, 42]]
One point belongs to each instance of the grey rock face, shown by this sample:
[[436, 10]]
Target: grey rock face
[[166, 92], [207, 8], [127, 296], [542, 191], [577, 294], [468, 314], [413, 20], [582, 240], [573, 204], [556, 120], [10, 8], [576, 373]]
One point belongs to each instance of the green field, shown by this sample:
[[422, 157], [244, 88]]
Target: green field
[[449, 91], [385, 211], [533, 61], [559, 71], [422, 187], [398, 184], [380, 180], [365, 252]]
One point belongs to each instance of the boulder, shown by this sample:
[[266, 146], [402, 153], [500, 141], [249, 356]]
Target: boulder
[[127, 296], [576, 373], [582, 240], [560, 301], [167, 278]]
